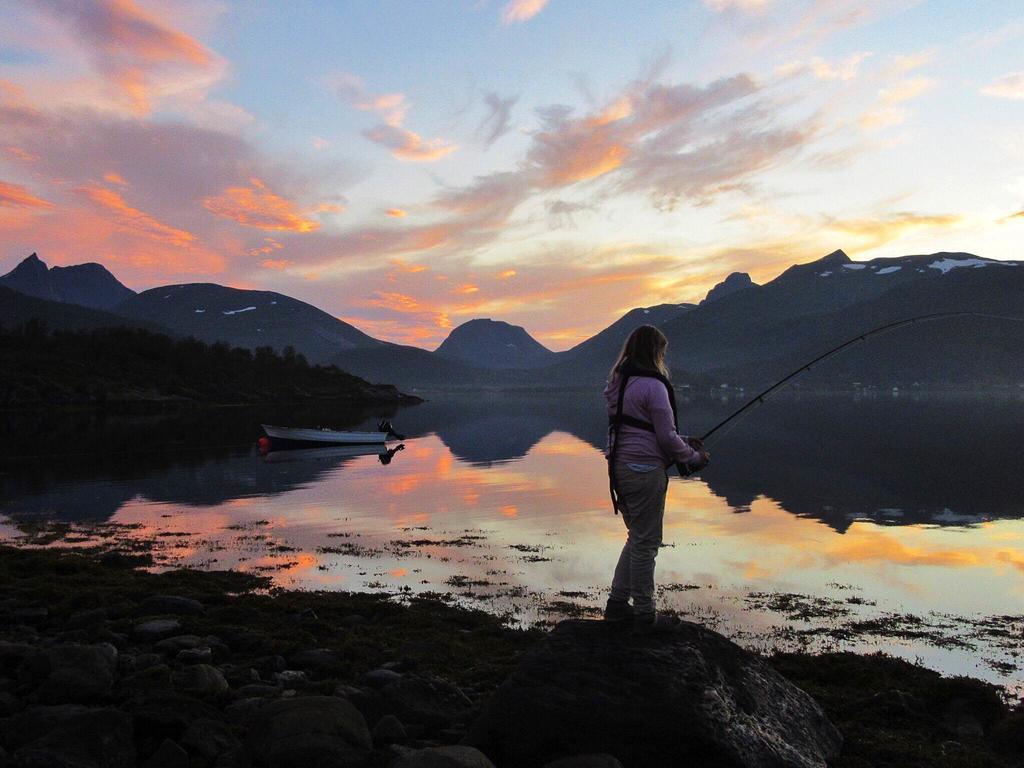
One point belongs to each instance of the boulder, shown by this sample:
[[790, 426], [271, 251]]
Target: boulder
[[310, 730], [388, 730], [206, 739], [428, 701], [167, 755], [156, 605], [321, 662], [690, 697], [200, 680], [598, 760], [75, 673], [101, 737], [156, 628], [444, 757]]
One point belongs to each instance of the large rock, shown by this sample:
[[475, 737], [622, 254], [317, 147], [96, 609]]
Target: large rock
[[313, 730], [444, 757], [428, 701], [75, 673], [96, 737], [691, 697], [169, 604], [202, 680]]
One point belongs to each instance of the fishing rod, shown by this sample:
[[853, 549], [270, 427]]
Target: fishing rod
[[759, 398]]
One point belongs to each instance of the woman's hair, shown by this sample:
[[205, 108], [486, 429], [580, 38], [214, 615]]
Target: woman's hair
[[645, 348]]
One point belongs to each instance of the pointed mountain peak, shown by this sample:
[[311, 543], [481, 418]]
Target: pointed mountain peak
[[836, 257], [737, 281], [30, 264]]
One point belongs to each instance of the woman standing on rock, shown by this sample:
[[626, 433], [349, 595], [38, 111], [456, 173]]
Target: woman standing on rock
[[643, 441]]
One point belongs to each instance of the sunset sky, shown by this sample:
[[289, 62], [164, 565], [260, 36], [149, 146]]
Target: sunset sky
[[408, 166]]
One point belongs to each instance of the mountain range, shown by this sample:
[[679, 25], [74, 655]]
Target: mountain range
[[742, 333]]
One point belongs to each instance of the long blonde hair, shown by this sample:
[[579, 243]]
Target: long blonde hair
[[645, 348]]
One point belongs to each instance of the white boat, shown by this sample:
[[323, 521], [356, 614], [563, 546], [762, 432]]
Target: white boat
[[328, 436]]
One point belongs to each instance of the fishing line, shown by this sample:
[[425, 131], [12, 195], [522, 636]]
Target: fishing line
[[760, 397]]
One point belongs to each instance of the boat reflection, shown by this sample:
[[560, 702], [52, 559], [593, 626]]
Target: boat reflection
[[382, 452]]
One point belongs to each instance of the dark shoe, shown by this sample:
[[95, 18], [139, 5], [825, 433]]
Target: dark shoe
[[618, 610], [651, 624]]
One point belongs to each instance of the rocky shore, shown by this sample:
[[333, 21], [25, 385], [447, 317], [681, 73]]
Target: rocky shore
[[105, 664]]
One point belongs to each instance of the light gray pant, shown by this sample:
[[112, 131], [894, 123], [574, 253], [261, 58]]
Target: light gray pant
[[642, 497]]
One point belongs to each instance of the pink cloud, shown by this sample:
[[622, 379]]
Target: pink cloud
[[518, 11]]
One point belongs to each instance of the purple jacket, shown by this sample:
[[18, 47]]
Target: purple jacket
[[647, 399]]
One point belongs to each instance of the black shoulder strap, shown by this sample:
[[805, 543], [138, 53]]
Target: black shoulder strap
[[627, 371]]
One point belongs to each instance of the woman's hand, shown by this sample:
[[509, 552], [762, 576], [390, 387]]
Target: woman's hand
[[705, 459], [694, 442]]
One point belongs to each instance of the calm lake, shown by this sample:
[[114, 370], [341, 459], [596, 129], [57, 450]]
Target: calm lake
[[889, 523]]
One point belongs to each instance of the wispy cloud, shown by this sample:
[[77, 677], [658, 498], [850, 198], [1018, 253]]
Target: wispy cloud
[[1009, 86], [498, 120], [132, 219], [256, 206], [887, 110], [518, 11], [136, 51], [17, 196], [392, 109]]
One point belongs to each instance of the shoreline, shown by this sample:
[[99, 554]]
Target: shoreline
[[254, 643]]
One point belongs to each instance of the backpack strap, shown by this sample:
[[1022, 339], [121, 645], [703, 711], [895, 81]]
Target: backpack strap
[[616, 420]]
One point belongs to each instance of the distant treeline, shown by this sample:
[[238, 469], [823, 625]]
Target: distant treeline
[[120, 365]]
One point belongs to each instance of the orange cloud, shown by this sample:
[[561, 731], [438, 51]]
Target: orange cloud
[[879, 548], [21, 154], [396, 213], [518, 11], [408, 145], [270, 245], [129, 45], [507, 274], [466, 288], [129, 218], [257, 207], [115, 178], [876, 231], [277, 264], [589, 159], [17, 196]]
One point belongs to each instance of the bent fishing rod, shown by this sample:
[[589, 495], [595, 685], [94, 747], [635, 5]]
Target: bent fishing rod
[[759, 398]]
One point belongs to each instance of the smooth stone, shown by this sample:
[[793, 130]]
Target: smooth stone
[[76, 673], [100, 737], [688, 697], [598, 760], [445, 757], [290, 677], [195, 656], [168, 755], [200, 680], [157, 628], [322, 662], [172, 645], [429, 701], [169, 604], [208, 738], [378, 678], [87, 618], [311, 730], [259, 690], [388, 730]]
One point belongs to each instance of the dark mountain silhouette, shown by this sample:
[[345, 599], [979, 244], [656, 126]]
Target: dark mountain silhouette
[[737, 281], [590, 360], [89, 285], [17, 308], [249, 319], [495, 344], [753, 335]]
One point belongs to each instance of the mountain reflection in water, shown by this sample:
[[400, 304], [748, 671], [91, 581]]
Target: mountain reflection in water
[[817, 514], [896, 461]]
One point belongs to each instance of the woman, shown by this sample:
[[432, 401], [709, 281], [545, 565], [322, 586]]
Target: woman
[[643, 442]]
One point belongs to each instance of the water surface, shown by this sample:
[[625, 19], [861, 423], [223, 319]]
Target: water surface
[[883, 522]]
